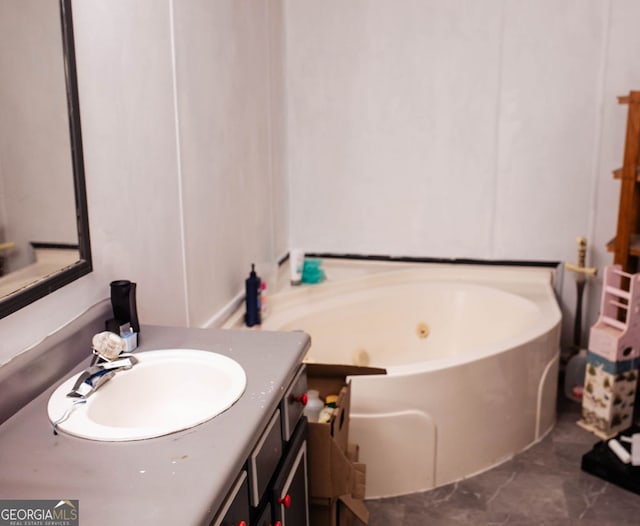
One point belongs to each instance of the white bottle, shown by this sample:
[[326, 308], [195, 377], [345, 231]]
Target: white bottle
[[574, 376], [296, 264], [314, 405]]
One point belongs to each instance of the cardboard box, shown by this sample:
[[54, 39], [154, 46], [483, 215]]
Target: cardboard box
[[337, 512], [337, 481], [359, 480], [359, 472], [331, 379], [331, 472], [353, 452]]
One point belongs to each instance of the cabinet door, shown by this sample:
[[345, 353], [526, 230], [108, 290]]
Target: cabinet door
[[265, 458], [235, 510], [290, 494]]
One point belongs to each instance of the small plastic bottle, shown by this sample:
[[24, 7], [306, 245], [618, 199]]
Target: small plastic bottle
[[314, 405], [264, 305], [574, 376]]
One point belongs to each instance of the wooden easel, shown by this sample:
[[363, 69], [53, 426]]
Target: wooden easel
[[626, 245]]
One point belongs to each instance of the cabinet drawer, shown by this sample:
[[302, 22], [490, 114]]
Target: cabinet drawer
[[235, 509], [290, 496], [264, 459], [293, 403]]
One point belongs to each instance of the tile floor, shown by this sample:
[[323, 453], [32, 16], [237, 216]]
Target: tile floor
[[541, 486]]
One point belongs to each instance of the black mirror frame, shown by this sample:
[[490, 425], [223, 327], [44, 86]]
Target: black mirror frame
[[31, 293]]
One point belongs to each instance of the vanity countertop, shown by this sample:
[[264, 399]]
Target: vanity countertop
[[180, 478]]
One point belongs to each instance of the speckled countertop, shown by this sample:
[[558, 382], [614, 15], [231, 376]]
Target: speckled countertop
[[180, 478]]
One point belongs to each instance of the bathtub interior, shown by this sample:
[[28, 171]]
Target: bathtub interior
[[410, 323]]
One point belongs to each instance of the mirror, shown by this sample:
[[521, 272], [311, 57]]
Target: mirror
[[44, 230]]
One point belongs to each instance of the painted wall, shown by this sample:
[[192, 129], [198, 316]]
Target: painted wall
[[458, 129], [223, 62]]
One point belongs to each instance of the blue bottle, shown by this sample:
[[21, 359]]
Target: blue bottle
[[252, 298]]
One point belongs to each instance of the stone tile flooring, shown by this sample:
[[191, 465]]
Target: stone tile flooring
[[541, 486]]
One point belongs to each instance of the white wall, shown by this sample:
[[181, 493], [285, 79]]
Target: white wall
[[458, 129], [223, 56], [125, 76], [444, 129], [391, 125]]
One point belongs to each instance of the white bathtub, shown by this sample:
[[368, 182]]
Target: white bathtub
[[471, 354]]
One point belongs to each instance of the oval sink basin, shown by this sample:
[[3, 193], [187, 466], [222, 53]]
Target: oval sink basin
[[166, 391]]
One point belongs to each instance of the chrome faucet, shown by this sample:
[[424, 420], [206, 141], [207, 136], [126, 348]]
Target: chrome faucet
[[96, 375], [108, 359]]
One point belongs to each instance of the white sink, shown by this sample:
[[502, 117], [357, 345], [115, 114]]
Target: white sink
[[166, 391]]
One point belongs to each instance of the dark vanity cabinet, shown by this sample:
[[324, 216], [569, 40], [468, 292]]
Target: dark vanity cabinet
[[272, 490]]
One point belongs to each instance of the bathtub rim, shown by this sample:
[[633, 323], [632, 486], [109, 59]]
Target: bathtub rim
[[535, 284]]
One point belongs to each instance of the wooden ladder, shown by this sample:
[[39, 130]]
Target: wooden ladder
[[626, 245]]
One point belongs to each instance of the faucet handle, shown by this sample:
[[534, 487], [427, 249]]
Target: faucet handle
[[108, 345], [124, 362]]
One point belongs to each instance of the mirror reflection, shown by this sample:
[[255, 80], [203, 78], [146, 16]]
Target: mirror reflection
[[43, 230]]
